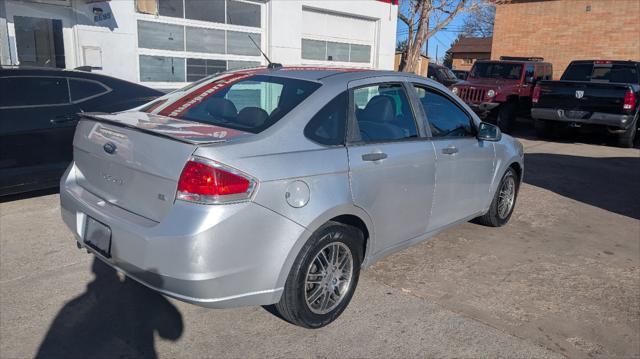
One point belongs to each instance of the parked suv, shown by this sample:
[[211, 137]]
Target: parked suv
[[501, 90], [39, 111]]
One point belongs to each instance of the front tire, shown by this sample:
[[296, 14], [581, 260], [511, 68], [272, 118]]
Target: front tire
[[323, 277], [503, 202], [506, 117]]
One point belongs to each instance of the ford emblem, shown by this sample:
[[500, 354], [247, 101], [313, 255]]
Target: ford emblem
[[109, 148]]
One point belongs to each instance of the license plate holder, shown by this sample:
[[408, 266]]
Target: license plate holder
[[97, 235]]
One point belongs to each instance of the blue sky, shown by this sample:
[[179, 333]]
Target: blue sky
[[441, 40]]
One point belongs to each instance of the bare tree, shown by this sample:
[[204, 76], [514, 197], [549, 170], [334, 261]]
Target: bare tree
[[418, 14], [479, 21]]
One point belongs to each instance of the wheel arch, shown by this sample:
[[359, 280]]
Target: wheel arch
[[348, 214]]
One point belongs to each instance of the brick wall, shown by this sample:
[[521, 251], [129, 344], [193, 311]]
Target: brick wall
[[458, 59], [563, 30]]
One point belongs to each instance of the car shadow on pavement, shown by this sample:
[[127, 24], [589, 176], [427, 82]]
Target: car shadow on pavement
[[112, 319], [610, 183]]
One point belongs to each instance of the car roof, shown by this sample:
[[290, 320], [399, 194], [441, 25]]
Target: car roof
[[50, 71], [324, 74]]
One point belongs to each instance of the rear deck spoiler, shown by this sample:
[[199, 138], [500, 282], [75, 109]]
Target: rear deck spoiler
[[195, 133]]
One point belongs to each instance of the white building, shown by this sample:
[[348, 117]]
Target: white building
[[167, 43]]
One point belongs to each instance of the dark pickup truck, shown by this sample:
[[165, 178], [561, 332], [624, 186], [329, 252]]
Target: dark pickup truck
[[594, 93]]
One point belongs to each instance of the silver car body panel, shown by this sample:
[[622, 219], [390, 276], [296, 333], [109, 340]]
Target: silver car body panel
[[240, 254]]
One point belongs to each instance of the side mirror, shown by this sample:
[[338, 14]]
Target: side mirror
[[489, 132]]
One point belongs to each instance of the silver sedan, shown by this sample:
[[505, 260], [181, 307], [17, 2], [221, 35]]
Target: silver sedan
[[276, 186]]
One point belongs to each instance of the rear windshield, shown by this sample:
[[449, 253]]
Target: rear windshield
[[496, 70], [240, 101], [624, 73]]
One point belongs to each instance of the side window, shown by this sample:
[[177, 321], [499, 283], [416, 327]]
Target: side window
[[83, 89], [329, 124], [33, 91], [383, 113], [445, 118], [528, 71]]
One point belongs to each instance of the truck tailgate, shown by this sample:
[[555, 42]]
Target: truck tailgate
[[578, 96]]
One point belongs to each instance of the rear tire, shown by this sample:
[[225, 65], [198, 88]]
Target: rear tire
[[627, 138], [544, 128], [498, 215], [506, 117], [320, 286]]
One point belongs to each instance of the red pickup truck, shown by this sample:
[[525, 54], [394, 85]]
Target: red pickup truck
[[501, 90]]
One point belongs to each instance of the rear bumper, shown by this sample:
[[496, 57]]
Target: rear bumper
[[213, 256], [596, 118]]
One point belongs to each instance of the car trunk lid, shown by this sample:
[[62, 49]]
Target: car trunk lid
[[133, 160]]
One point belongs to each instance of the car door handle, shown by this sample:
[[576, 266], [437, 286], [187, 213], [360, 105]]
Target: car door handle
[[375, 156], [65, 118], [451, 150]]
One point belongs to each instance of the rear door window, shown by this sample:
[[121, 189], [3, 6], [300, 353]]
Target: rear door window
[[82, 90], [383, 113], [33, 91]]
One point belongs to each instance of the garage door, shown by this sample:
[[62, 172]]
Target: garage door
[[337, 39]]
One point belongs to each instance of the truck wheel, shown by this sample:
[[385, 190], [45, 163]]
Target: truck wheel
[[506, 117], [503, 202], [323, 277], [544, 128], [627, 138]]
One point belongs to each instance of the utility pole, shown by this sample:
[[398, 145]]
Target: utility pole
[[436, 53]]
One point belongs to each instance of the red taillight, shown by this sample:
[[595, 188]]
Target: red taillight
[[629, 100], [535, 97], [212, 183]]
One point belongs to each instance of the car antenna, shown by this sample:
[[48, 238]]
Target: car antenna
[[272, 65]]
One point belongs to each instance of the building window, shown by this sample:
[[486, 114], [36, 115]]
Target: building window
[[242, 13], [39, 41], [212, 11], [232, 12], [172, 8], [155, 35], [239, 43], [162, 69], [467, 61], [360, 53], [335, 51], [205, 40], [199, 68]]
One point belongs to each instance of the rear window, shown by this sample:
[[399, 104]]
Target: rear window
[[496, 70], [624, 73], [241, 101]]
